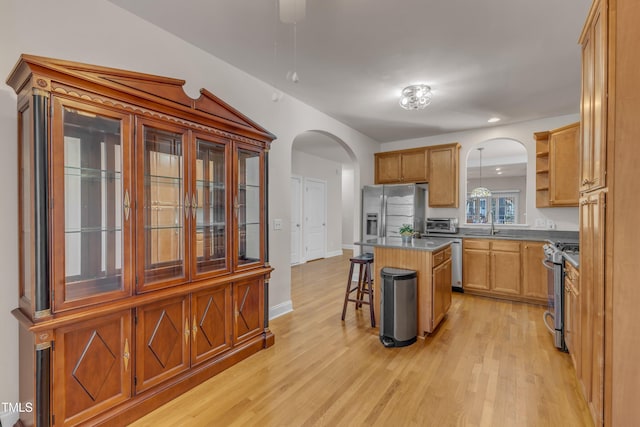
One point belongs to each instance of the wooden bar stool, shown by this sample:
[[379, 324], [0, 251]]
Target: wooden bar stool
[[363, 288]]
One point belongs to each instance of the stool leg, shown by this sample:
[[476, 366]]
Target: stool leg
[[361, 290], [346, 293], [370, 285]]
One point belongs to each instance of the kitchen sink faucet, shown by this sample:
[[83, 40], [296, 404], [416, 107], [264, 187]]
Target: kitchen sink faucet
[[492, 230]]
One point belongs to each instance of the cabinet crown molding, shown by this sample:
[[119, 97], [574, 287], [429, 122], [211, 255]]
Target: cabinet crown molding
[[140, 88]]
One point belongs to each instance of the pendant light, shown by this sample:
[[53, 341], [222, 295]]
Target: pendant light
[[480, 192]]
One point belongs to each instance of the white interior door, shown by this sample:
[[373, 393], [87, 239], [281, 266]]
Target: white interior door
[[296, 219], [315, 219]]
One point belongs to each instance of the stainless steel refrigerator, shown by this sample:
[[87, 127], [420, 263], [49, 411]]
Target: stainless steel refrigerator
[[385, 208]]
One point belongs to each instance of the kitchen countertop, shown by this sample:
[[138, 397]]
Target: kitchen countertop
[[511, 234], [429, 244]]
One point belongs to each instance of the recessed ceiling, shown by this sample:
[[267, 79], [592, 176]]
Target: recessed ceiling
[[513, 59]]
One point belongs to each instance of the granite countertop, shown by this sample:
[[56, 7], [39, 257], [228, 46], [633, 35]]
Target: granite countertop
[[511, 234], [429, 244]]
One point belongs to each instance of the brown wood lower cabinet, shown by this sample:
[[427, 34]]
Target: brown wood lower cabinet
[[128, 357], [534, 274], [92, 367], [211, 322], [506, 269], [434, 281], [441, 289], [162, 341], [592, 300], [572, 335], [248, 302], [476, 265]]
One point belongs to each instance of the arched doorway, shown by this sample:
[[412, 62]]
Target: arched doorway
[[324, 186]]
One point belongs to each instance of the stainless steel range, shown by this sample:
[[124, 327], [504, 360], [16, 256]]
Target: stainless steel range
[[554, 262]]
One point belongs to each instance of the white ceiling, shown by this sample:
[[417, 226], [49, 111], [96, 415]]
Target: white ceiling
[[514, 59]]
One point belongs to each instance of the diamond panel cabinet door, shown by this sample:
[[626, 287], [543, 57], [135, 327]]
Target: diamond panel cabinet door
[[211, 323], [93, 367], [248, 300], [163, 332]]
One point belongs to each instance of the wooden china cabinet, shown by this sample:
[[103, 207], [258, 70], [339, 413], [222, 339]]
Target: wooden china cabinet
[[142, 240]]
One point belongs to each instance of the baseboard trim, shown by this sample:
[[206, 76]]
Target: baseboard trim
[[280, 309], [333, 253], [349, 247]]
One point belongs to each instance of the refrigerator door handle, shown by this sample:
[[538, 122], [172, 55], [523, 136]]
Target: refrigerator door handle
[[383, 217]]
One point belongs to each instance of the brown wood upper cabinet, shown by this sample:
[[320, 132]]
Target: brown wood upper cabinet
[[557, 166], [593, 111], [405, 166], [142, 239], [438, 165], [444, 175]]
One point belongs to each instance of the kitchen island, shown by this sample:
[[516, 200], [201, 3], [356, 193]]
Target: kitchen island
[[431, 259]]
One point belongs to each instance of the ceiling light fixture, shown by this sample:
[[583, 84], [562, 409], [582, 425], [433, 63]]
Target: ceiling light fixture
[[415, 97], [480, 192], [493, 119]]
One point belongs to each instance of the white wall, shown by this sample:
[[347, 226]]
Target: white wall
[[308, 166], [349, 191], [564, 218], [68, 30]]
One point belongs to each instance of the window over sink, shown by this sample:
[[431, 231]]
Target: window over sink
[[503, 204]]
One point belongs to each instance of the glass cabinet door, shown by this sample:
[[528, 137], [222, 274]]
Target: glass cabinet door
[[164, 216], [247, 206], [91, 202], [209, 206]]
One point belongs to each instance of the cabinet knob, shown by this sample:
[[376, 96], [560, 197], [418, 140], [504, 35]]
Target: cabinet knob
[[127, 205], [126, 355], [194, 328], [187, 205], [187, 331]]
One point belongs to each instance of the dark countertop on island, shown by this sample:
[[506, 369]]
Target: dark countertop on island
[[511, 234], [429, 244]]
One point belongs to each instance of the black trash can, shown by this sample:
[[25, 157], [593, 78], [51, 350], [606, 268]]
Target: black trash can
[[398, 307]]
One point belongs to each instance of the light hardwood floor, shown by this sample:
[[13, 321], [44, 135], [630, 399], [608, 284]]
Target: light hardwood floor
[[490, 363]]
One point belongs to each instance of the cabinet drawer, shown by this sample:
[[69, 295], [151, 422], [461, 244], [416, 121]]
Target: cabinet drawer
[[505, 245], [441, 256], [476, 244]]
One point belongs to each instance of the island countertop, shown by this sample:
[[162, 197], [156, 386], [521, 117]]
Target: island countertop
[[429, 244]]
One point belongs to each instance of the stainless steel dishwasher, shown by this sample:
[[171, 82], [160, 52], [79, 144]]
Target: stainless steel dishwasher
[[456, 265]]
